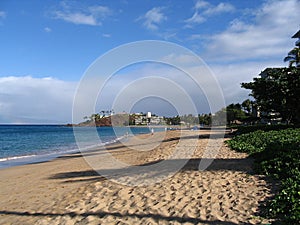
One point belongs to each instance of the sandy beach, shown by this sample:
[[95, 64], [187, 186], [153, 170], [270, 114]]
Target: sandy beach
[[67, 190]]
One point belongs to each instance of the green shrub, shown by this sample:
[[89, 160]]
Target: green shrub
[[286, 204], [276, 154], [262, 127]]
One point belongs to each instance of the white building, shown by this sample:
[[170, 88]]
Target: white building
[[148, 119]]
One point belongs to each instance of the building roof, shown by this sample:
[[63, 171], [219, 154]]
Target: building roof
[[297, 35]]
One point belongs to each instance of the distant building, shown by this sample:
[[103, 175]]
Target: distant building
[[156, 120], [145, 119], [140, 120]]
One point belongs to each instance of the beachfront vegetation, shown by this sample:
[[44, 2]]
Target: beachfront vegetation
[[277, 92], [276, 149], [233, 113], [262, 127], [236, 113], [205, 119], [99, 119], [276, 154]]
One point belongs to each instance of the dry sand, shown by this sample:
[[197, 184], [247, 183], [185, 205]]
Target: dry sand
[[68, 191]]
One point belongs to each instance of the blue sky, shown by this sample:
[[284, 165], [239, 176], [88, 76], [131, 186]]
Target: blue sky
[[46, 46]]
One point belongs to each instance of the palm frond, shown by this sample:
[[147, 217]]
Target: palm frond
[[289, 58]]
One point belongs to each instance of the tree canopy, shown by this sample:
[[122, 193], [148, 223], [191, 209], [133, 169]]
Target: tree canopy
[[277, 90], [234, 113]]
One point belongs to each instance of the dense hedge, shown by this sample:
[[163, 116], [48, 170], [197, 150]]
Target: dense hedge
[[264, 127], [277, 154]]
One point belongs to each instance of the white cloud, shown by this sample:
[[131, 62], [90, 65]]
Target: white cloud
[[99, 11], [48, 100], [77, 18], [220, 8], [92, 15], [47, 29], [203, 10], [247, 47], [201, 4], [182, 59], [232, 75], [267, 36], [2, 14], [106, 35], [36, 100], [153, 18], [195, 19]]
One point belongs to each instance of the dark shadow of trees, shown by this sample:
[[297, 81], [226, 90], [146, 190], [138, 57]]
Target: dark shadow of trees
[[102, 214]]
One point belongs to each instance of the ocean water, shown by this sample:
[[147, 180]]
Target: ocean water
[[23, 144]]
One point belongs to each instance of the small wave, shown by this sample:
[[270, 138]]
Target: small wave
[[56, 152], [16, 157]]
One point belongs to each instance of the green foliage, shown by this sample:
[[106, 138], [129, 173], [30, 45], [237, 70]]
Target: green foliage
[[190, 119], [247, 105], [205, 119], [220, 117], [235, 112], [276, 154], [262, 127], [286, 203], [277, 90], [232, 113], [172, 120]]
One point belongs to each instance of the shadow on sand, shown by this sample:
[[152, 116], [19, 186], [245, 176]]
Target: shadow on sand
[[243, 165], [102, 214]]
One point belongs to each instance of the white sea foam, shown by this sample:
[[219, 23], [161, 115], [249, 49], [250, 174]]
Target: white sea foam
[[44, 143], [35, 158], [16, 157]]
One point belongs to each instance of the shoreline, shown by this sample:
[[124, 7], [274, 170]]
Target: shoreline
[[67, 190], [19, 160]]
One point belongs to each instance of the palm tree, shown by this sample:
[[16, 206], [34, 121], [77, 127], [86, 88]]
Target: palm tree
[[293, 57]]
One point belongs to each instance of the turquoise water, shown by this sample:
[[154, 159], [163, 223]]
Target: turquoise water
[[23, 144]]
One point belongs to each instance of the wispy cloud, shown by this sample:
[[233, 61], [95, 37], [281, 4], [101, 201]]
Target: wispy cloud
[[2, 14], [47, 29], [267, 36], [106, 35], [93, 15], [203, 10], [77, 18], [220, 8], [153, 18], [195, 19], [201, 4]]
